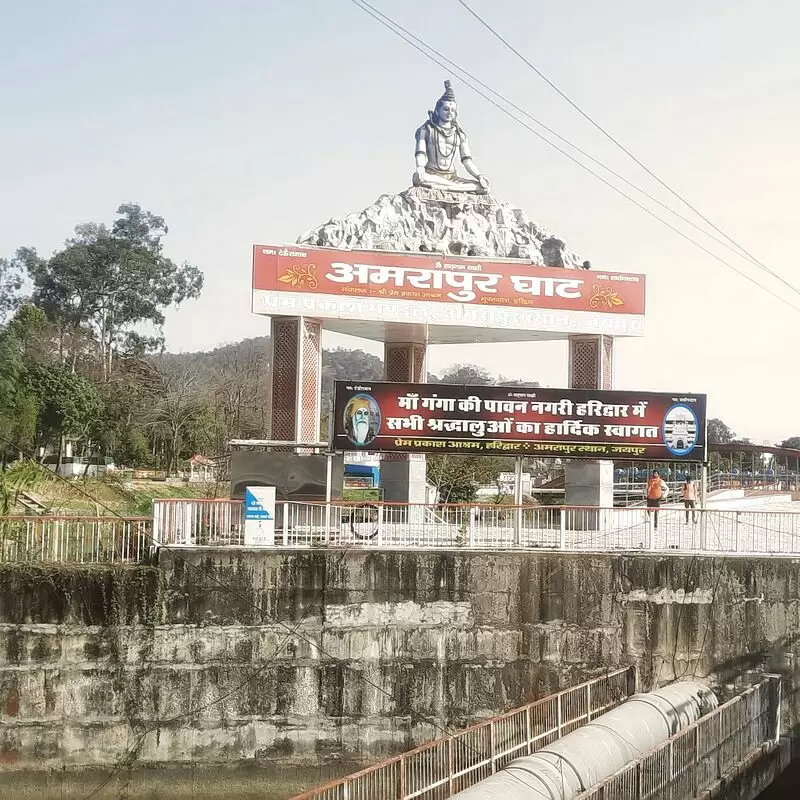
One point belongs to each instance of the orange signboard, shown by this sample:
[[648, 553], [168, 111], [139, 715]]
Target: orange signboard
[[362, 274]]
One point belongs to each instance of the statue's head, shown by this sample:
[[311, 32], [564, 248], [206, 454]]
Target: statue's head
[[446, 109]]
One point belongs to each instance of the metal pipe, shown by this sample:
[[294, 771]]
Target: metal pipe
[[589, 755]]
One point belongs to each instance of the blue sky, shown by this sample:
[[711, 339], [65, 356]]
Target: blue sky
[[247, 121]]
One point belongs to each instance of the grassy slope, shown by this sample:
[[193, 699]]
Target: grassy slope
[[96, 497]]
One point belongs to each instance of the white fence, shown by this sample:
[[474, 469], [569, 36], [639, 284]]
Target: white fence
[[71, 539], [692, 761], [451, 764], [215, 522], [191, 523]]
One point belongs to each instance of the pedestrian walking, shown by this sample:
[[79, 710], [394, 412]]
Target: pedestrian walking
[[689, 497], [655, 492]]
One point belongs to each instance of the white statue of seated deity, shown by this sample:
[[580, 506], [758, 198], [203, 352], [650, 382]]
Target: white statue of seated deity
[[437, 142]]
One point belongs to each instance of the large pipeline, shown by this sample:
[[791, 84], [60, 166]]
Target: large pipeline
[[589, 755]]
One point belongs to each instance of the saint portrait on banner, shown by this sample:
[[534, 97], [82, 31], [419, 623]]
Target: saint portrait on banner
[[362, 419]]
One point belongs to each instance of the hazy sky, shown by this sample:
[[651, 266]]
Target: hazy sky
[[253, 120]]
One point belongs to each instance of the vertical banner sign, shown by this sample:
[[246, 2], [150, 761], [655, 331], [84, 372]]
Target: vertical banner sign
[[259, 516]]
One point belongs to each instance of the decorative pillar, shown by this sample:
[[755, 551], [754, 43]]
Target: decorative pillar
[[589, 483], [403, 476], [404, 362], [591, 362], [295, 379]]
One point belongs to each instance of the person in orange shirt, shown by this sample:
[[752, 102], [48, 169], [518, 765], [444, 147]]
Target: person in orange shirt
[[655, 491]]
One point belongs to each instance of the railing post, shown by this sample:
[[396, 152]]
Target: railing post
[[491, 746], [736, 532], [588, 702], [518, 502], [379, 536], [528, 730], [703, 530], [671, 772], [450, 765], [327, 521], [286, 508], [188, 523], [559, 714], [775, 697], [562, 528]]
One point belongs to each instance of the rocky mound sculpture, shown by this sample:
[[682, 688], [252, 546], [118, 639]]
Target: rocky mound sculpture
[[438, 221]]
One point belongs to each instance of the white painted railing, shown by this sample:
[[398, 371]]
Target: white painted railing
[[694, 760], [385, 525], [448, 765], [71, 539], [211, 522], [220, 523]]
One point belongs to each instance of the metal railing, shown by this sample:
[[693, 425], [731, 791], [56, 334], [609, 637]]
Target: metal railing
[[207, 522], [70, 539], [695, 759], [451, 764], [386, 525], [179, 523]]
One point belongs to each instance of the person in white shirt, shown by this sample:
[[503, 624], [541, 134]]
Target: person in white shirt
[[689, 497]]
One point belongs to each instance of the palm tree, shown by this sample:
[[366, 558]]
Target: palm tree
[[17, 477]]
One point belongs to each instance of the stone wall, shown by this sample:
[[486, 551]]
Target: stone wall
[[199, 661]]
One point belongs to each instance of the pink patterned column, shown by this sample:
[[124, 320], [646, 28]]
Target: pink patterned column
[[296, 379], [591, 362], [403, 476], [589, 483], [404, 363]]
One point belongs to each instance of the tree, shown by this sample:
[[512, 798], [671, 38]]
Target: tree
[[105, 283], [177, 414], [457, 477], [239, 391], [68, 404], [22, 341], [466, 374], [792, 443], [719, 432], [10, 285], [16, 478], [503, 381]]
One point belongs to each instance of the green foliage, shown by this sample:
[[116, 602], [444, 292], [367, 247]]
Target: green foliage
[[68, 403], [792, 443], [719, 432], [19, 477], [10, 285], [107, 282], [457, 477], [20, 345], [466, 374]]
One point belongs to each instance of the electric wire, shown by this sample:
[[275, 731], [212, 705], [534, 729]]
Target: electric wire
[[435, 56], [622, 147], [471, 76], [292, 632]]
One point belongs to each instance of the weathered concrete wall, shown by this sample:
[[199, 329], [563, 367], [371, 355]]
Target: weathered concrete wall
[[201, 663]]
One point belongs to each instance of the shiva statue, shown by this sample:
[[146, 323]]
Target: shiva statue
[[437, 141]]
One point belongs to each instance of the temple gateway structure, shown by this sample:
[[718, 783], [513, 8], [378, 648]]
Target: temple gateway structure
[[443, 262]]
